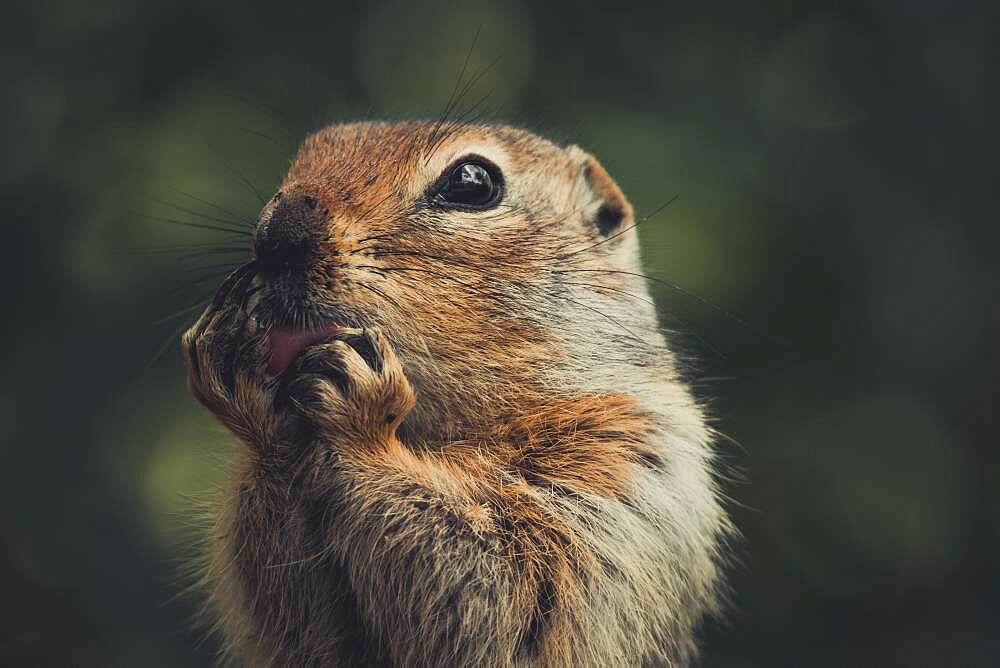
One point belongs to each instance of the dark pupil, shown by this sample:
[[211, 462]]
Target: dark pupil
[[470, 183]]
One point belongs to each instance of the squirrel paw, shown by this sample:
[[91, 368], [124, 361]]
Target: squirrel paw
[[223, 352], [352, 386]]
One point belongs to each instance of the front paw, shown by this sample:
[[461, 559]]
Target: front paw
[[352, 387], [224, 353]]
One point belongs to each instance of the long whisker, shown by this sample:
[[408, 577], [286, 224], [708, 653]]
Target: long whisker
[[219, 253], [689, 331], [217, 271], [200, 226], [184, 251], [606, 317], [191, 212], [452, 100], [271, 115], [184, 311], [218, 208], [686, 293], [255, 133], [162, 348], [622, 231], [244, 180], [598, 287]]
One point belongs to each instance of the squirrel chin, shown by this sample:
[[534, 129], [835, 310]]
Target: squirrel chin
[[286, 344]]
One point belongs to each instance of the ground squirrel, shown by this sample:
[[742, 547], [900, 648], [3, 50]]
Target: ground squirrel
[[465, 440]]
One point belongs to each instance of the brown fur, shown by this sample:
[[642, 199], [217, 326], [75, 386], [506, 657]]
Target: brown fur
[[515, 476]]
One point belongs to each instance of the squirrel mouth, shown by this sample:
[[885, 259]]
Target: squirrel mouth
[[286, 344]]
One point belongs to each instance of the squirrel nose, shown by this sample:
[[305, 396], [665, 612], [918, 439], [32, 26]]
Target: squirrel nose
[[286, 234]]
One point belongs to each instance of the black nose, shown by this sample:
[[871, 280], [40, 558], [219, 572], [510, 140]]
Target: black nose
[[286, 234]]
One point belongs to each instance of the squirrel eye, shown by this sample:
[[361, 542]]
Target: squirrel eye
[[471, 184]]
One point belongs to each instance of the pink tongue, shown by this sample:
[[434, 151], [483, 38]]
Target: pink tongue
[[287, 344]]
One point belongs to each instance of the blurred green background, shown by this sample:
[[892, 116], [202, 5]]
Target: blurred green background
[[834, 165]]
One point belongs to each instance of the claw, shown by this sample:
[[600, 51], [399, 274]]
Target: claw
[[364, 344], [232, 281]]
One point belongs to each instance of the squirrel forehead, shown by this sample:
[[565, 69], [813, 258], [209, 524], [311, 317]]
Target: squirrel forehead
[[357, 163]]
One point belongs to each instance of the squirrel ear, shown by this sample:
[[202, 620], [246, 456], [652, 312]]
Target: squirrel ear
[[604, 203]]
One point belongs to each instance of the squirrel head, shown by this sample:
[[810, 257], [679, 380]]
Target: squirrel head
[[489, 256]]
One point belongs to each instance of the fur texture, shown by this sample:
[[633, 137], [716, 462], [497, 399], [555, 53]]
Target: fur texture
[[493, 462]]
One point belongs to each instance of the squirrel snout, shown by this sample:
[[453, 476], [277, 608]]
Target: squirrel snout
[[287, 233]]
